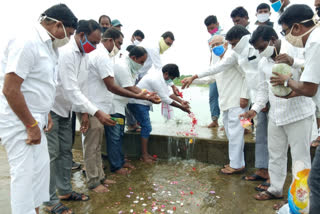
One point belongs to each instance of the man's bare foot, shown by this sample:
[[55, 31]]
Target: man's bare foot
[[213, 124], [108, 181], [128, 165], [145, 158], [100, 189], [123, 171]]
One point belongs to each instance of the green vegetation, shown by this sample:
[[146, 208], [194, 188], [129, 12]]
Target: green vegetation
[[177, 81]]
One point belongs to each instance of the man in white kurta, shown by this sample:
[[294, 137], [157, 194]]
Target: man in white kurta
[[28, 94]]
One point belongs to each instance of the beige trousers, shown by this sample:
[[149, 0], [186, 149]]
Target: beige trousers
[[92, 153]]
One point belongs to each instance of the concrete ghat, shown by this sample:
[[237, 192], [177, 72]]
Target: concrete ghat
[[210, 146]]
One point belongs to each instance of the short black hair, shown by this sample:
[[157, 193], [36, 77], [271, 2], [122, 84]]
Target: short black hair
[[263, 6], [112, 33], [88, 26], [264, 32], [62, 13], [168, 34], [104, 16], [236, 32], [172, 69], [239, 12], [130, 47], [137, 51], [210, 20], [296, 14], [138, 33]]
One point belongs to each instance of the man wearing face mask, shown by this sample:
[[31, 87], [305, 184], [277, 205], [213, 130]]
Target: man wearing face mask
[[104, 22], [213, 28], [101, 87], [27, 96], [241, 56], [137, 37], [125, 75], [301, 29], [157, 82], [290, 120], [71, 94], [263, 15]]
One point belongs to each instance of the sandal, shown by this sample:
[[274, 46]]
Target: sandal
[[254, 177], [58, 209], [230, 171], [264, 184], [265, 195], [76, 197]]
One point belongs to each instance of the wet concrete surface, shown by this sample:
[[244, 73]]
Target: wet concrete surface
[[168, 186]]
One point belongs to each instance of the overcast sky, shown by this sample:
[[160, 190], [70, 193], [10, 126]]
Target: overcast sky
[[184, 18]]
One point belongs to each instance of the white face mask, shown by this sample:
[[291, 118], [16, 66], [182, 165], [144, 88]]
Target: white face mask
[[244, 41], [268, 52], [297, 40], [263, 17], [114, 51], [136, 42], [57, 43]]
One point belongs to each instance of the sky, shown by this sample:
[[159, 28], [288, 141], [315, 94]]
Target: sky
[[184, 18]]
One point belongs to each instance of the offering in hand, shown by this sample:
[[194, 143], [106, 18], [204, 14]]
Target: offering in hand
[[281, 90], [119, 121], [245, 123]]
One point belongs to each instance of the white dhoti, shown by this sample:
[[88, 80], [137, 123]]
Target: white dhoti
[[235, 134], [298, 136], [29, 166]]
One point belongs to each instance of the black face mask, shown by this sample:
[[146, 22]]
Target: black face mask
[[318, 11], [104, 29]]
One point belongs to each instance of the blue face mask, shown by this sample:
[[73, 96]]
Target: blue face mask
[[218, 50], [277, 5]]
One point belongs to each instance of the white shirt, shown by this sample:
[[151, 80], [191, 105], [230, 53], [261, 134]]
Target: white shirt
[[154, 82], [72, 82], [153, 58], [124, 78], [31, 56], [312, 63], [282, 111], [100, 66], [231, 87]]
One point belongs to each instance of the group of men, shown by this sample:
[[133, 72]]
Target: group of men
[[47, 73], [244, 77], [62, 65]]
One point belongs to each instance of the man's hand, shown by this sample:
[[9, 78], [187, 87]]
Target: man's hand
[[175, 90], [185, 109], [155, 99], [145, 95], [265, 109], [186, 82], [279, 79], [248, 115], [243, 102], [284, 58], [291, 95], [50, 124], [104, 118], [34, 135], [185, 103], [84, 123]]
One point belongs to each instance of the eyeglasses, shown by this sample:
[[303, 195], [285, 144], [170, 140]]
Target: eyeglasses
[[283, 33]]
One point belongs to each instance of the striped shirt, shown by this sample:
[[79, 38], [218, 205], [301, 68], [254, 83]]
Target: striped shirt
[[282, 111]]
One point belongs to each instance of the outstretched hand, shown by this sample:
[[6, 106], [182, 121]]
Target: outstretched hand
[[279, 79], [186, 82], [248, 115]]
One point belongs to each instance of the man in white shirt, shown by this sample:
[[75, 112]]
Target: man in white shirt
[[157, 82], [71, 95], [101, 86], [300, 28], [28, 94], [125, 73], [290, 120]]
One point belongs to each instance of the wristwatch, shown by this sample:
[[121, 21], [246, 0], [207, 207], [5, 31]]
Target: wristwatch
[[286, 82]]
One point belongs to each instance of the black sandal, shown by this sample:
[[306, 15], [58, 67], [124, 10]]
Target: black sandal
[[255, 178], [265, 184], [76, 197], [58, 209]]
